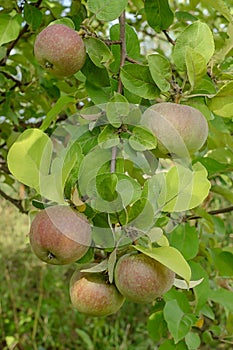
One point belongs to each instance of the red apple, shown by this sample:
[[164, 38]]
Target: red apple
[[93, 295], [60, 50], [142, 279], [60, 235]]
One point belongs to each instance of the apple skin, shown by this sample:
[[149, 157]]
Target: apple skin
[[181, 130], [92, 295], [60, 50], [142, 279], [60, 235]]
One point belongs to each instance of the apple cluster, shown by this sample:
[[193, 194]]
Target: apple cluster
[[61, 235]]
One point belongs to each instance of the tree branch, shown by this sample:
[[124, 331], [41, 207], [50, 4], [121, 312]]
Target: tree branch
[[123, 48], [211, 212], [16, 202]]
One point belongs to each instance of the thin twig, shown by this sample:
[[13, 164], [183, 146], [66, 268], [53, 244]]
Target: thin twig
[[169, 38], [112, 42], [129, 59], [211, 212]]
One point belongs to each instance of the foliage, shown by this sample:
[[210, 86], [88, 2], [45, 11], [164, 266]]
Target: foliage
[[80, 140]]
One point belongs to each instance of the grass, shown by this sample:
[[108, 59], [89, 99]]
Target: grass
[[35, 310]]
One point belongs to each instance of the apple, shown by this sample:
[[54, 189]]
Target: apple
[[60, 235], [60, 50], [181, 130], [142, 279], [92, 294]]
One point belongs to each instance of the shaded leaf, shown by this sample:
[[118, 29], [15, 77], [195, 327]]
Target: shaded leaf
[[158, 13]]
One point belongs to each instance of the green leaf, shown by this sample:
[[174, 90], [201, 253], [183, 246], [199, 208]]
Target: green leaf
[[117, 108], [196, 66], [222, 297], [202, 290], [156, 326], [108, 137], [184, 189], [192, 340], [9, 28], [179, 323], [159, 15], [55, 110], [220, 6], [111, 264], [64, 20], [142, 139], [137, 79], [106, 186], [106, 10], [185, 238], [222, 103], [169, 345], [160, 70], [95, 75], [98, 52], [170, 257], [220, 54], [30, 156], [197, 36], [32, 16], [132, 44], [223, 262]]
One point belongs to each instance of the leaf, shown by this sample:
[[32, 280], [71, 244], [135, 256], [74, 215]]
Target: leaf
[[183, 285], [202, 290], [196, 66], [106, 10], [132, 44], [117, 108], [184, 188], [220, 6], [102, 266], [193, 341], [156, 326], [137, 79], [222, 297], [32, 16], [65, 21], [108, 137], [197, 36], [185, 238], [160, 70], [142, 139], [220, 55], [222, 103], [9, 28], [170, 257], [178, 322], [111, 264], [30, 156], [223, 262], [98, 52], [159, 15], [95, 75], [55, 110]]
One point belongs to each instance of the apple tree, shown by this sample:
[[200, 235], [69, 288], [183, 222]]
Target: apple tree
[[116, 122]]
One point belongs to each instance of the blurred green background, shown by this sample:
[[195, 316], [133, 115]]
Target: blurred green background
[[35, 310]]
